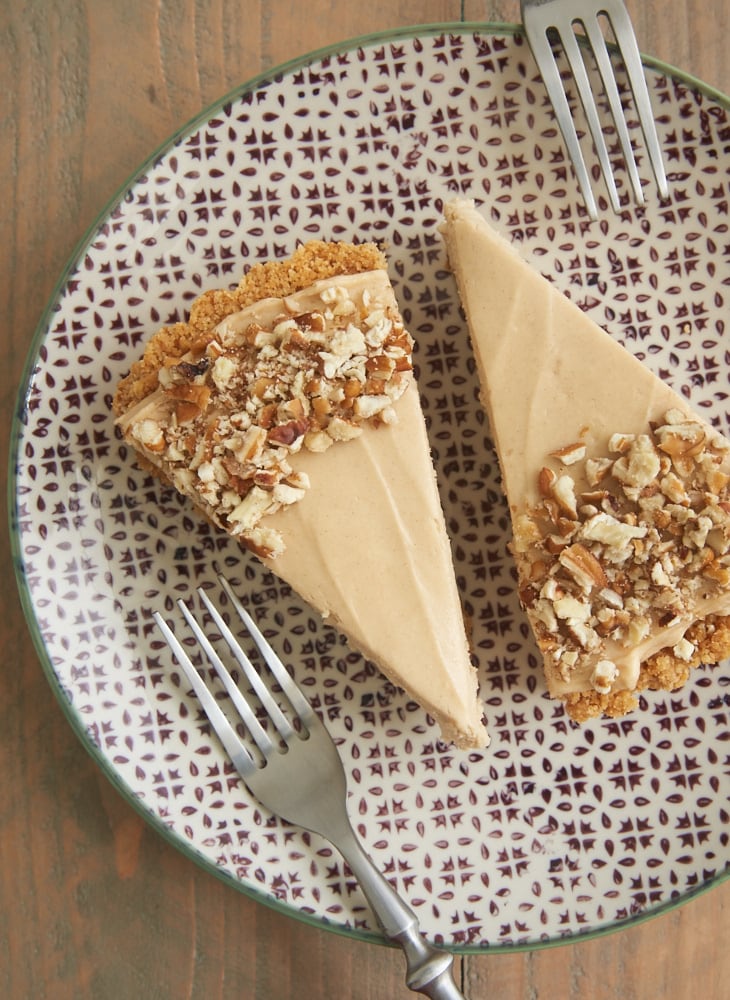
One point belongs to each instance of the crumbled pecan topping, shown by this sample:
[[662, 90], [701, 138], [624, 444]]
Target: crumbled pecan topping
[[647, 539], [228, 417]]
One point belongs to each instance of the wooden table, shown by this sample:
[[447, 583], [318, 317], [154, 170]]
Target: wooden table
[[93, 903]]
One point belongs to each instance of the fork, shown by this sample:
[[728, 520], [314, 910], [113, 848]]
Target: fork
[[542, 19], [299, 776]]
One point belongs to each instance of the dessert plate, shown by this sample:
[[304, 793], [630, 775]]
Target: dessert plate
[[556, 830]]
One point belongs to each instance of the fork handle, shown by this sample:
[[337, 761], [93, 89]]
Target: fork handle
[[429, 968]]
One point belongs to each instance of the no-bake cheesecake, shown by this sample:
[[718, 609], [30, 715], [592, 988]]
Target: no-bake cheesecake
[[286, 410], [617, 489]]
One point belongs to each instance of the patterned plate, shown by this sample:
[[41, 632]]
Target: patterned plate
[[556, 830]]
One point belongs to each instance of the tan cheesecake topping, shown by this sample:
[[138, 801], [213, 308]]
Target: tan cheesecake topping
[[304, 371], [625, 544]]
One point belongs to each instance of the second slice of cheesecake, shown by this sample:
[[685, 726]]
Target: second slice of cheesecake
[[617, 489]]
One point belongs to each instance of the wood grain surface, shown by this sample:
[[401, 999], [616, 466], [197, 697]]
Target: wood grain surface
[[93, 903]]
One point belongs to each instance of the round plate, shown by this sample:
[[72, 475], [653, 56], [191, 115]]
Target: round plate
[[556, 830]]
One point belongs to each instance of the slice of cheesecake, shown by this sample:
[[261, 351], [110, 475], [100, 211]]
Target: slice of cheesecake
[[617, 490], [287, 412]]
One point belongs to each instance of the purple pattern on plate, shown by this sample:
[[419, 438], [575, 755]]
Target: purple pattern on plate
[[556, 829]]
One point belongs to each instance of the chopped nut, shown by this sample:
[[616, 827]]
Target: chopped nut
[[265, 542], [639, 464], [248, 447], [673, 488], [266, 478], [583, 566], [149, 434], [660, 576], [572, 609], [388, 416], [620, 443], [343, 430], [285, 494], [681, 439], [697, 537], [318, 441], [555, 544], [380, 366], [551, 590], [368, 406], [563, 491], [597, 469], [545, 481], [610, 531], [684, 649], [717, 480], [633, 551], [543, 612], [190, 399], [604, 675], [638, 629], [232, 411], [289, 434], [223, 371], [525, 533], [720, 574], [582, 633], [192, 370], [570, 453], [611, 598], [206, 472], [251, 509], [311, 321]]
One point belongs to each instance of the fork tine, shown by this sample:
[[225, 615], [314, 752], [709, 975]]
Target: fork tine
[[234, 747], [297, 700], [539, 18], [625, 37], [259, 734], [608, 77], [585, 91], [280, 721], [545, 59]]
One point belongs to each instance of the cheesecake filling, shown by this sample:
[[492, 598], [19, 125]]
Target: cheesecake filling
[[385, 479], [284, 375]]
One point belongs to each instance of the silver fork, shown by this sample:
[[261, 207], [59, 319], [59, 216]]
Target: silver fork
[[299, 776], [542, 19]]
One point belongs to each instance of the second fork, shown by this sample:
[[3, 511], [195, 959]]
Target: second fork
[[545, 19], [298, 775]]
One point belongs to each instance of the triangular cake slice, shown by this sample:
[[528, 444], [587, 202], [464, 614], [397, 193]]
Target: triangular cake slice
[[287, 411], [617, 490]]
